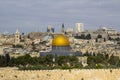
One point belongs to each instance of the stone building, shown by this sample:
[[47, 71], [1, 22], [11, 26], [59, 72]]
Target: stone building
[[17, 37]]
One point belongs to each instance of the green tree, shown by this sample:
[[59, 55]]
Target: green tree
[[104, 39], [117, 39], [23, 60], [78, 65], [7, 59], [2, 61], [88, 36], [96, 40], [96, 59], [12, 62], [99, 36], [73, 60], [62, 60], [114, 60], [109, 38], [83, 36], [18, 46], [49, 59]]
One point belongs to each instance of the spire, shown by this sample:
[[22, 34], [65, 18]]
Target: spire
[[63, 28], [17, 31]]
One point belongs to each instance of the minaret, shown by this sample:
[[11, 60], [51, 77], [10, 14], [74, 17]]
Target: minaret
[[63, 28], [49, 28], [17, 37]]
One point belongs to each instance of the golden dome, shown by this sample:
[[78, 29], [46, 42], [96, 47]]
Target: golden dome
[[60, 40]]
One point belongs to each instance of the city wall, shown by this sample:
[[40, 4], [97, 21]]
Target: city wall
[[73, 74]]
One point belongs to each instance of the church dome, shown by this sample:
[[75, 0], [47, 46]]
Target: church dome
[[60, 40]]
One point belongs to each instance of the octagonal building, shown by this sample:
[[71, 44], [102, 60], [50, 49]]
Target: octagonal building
[[61, 47]]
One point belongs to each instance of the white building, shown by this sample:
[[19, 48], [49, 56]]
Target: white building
[[110, 30], [69, 30], [79, 27]]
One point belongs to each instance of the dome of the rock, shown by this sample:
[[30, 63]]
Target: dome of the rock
[[60, 40]]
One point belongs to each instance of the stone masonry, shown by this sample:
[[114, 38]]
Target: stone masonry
[[72, 74]]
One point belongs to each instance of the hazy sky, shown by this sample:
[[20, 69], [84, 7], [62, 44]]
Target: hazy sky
[[35, 15]]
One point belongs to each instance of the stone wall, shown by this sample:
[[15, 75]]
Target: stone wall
[[74, 74]]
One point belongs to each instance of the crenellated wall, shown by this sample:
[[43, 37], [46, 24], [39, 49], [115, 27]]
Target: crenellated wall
[[74, 74]]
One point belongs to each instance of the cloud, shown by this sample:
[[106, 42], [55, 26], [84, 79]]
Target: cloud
[[39, 13]]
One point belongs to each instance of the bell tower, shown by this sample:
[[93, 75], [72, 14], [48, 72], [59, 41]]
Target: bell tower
[[17, 37]]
